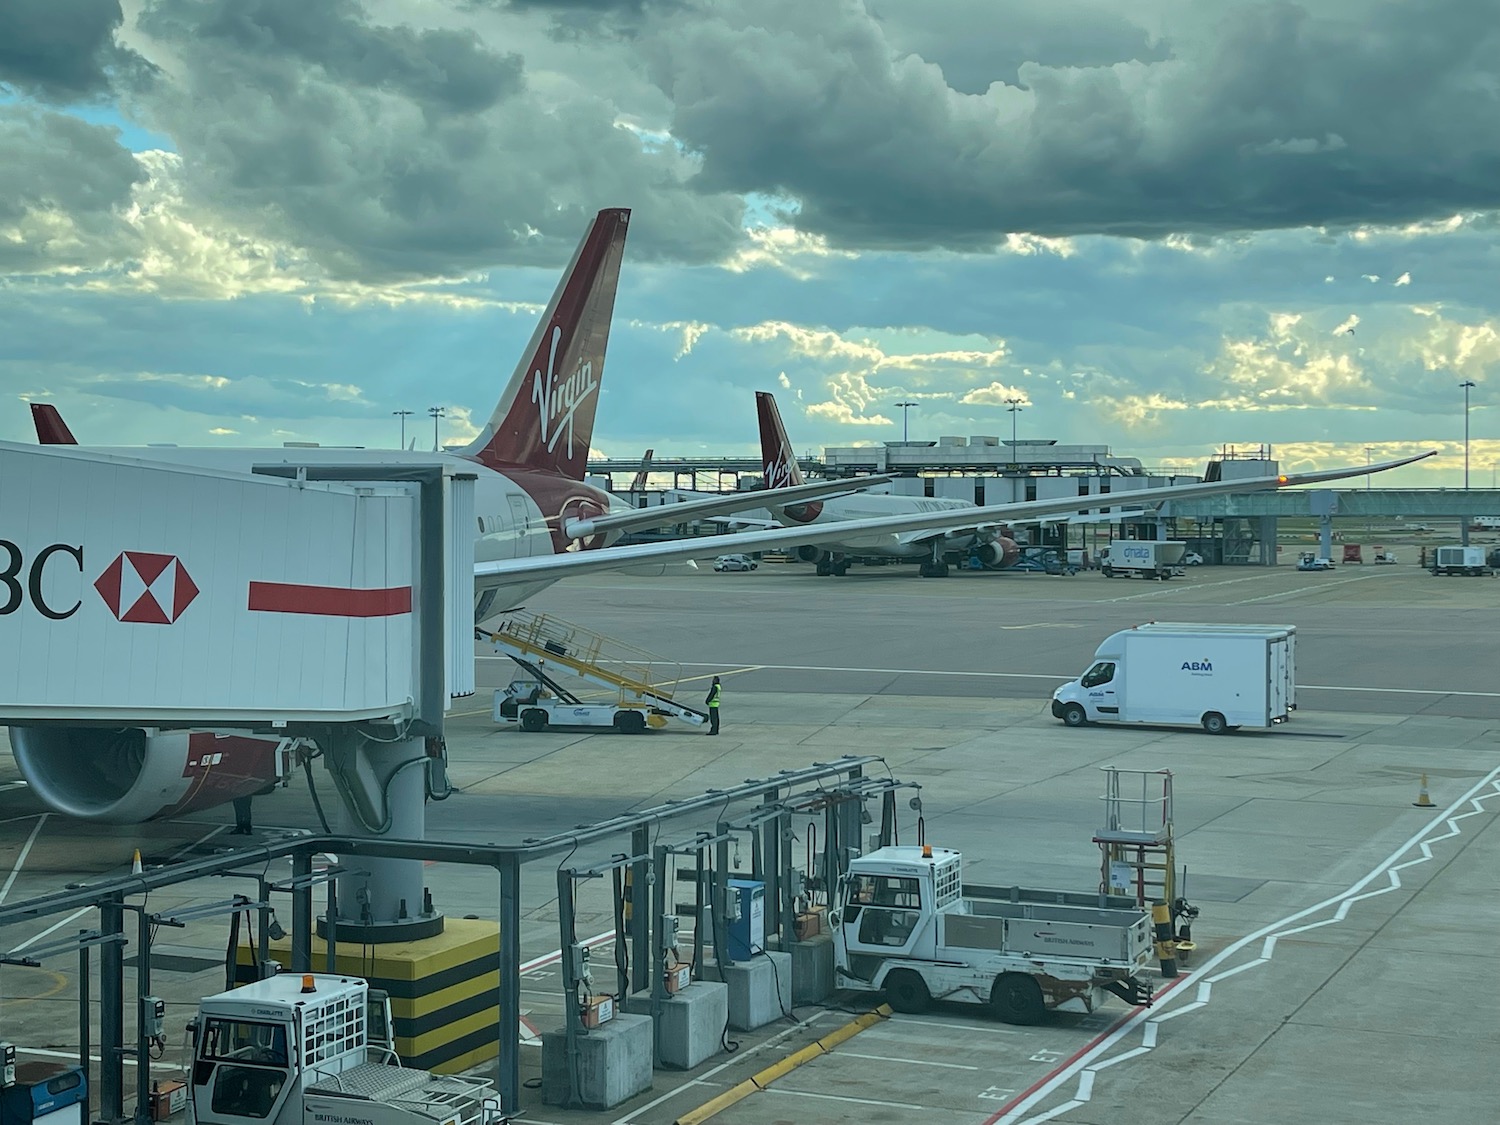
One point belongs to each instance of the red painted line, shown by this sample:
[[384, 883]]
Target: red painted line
[[1078, 1054], [329, 601]]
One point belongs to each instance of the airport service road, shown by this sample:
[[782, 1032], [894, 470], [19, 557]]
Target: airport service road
[[1388, 639]]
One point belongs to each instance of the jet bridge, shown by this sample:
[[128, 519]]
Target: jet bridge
[[330, 604]]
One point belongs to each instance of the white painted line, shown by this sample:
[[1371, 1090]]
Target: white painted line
[[1268, 934], [1086, 1086], [903, 1021], [1111, 1061], [1305, 589], [15, 871], [1186, 587], [52, 929], [840, 1098], [92, 1058], [1401, 691], [908, 1062], [1148, 1036]]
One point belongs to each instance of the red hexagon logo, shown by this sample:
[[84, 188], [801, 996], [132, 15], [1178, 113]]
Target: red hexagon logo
[[146, 588]]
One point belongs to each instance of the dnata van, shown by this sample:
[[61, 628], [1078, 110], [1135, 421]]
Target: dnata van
[[1148, 558], [1218, 677]]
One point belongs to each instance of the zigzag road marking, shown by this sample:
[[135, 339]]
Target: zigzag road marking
[[1092, 1059]]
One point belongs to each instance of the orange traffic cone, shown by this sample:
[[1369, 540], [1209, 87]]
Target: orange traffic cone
[[135, 862], [1423, 801]]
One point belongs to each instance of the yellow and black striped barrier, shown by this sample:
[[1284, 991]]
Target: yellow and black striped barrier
[[1166, 947]]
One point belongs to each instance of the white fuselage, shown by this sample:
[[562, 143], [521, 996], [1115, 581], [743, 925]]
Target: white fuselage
[[866, 505], [511, 524]]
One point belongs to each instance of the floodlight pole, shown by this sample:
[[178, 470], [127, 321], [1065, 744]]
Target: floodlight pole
[[403, 415], [436, 412], [905, 406]]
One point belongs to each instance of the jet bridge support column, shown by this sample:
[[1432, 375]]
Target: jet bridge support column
[[383, 792]]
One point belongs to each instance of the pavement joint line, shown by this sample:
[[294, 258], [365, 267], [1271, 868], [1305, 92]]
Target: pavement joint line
[[1088, 1057], [761, 1079], [703, 1079]]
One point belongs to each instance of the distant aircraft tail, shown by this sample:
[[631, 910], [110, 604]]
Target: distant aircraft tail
[[545, 417], [50, 427], [639, 483], [775, 447]]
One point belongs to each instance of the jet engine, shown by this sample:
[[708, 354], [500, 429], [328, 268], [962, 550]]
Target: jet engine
[[129, 775], [812, 554], [998, 553]]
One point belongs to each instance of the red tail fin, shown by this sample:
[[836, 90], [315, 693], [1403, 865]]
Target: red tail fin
[[545, 416], [50, 427], [775, 447]]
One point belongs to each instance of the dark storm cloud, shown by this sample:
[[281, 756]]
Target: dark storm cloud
[[440, 69], [61, 50], [63, 184], [389, 153], [1266, 115]]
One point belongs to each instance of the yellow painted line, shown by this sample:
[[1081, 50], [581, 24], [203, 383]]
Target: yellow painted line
[[763, 1078]]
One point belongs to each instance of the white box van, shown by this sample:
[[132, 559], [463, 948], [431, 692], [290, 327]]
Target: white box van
[[1220, 677]]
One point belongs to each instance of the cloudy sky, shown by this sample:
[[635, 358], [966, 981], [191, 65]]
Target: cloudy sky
[[256, 221]]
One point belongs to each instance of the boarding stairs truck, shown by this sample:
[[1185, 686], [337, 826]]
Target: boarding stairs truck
[[1143, 558], [904, 923], [637, 687], [297, 1049], [1220, 677]]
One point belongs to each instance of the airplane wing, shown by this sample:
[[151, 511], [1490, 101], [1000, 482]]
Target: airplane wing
[[1117, 509], [494, 575], [662, 515]]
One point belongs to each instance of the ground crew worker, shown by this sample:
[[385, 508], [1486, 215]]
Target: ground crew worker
[[714, 693]]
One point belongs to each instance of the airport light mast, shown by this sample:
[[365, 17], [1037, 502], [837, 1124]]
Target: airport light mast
[[436, 412], [905, 406], [1015, 408], [1466, 385], [403, 415]]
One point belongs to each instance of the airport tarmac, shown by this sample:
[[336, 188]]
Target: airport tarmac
[[1341, 928]]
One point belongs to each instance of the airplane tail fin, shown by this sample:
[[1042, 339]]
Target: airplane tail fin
[[50, 427], [545, 416], [775, 447]]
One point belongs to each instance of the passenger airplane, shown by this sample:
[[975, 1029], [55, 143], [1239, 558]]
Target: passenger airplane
[[538, 522], [995, 548]]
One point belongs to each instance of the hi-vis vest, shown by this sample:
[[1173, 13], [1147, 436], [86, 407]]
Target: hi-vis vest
[[713, 695]]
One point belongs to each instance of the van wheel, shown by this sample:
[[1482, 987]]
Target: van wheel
[[1215, 723], [906, 992], [1074, 716], [1016, 998], [533, 719]]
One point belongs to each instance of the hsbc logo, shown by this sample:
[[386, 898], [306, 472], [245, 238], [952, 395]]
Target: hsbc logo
[[146, 588], [139, 587]]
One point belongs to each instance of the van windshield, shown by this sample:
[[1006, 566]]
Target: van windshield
[[1100, 673]]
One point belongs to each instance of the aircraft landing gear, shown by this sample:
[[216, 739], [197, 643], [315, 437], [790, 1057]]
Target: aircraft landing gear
[[934, 567], [825, 568], [841, 568]]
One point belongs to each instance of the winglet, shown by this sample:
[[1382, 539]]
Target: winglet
[[776, 454], [50, 427]]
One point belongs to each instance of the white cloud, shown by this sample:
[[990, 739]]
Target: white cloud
[[996, 394], [1348, 326], [786, 384], [1404, 279]]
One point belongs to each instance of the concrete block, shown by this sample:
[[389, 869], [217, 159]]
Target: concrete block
[[692, 1022], [614, 1063], [812, 969], [760, 989]]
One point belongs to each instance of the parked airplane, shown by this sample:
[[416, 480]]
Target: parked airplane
[[990, 541], [538, 522]]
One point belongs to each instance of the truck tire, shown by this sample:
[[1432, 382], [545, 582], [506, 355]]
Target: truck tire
[[1017, 998], [1108, 572], [630, 722], [906, 992], [533, 719], [1074, 715], [1215, 723]]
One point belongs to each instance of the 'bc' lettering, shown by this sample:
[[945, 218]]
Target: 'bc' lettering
[[15, 593]]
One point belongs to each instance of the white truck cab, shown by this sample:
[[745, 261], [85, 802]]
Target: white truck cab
[[317, 1048], [905, 924]]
